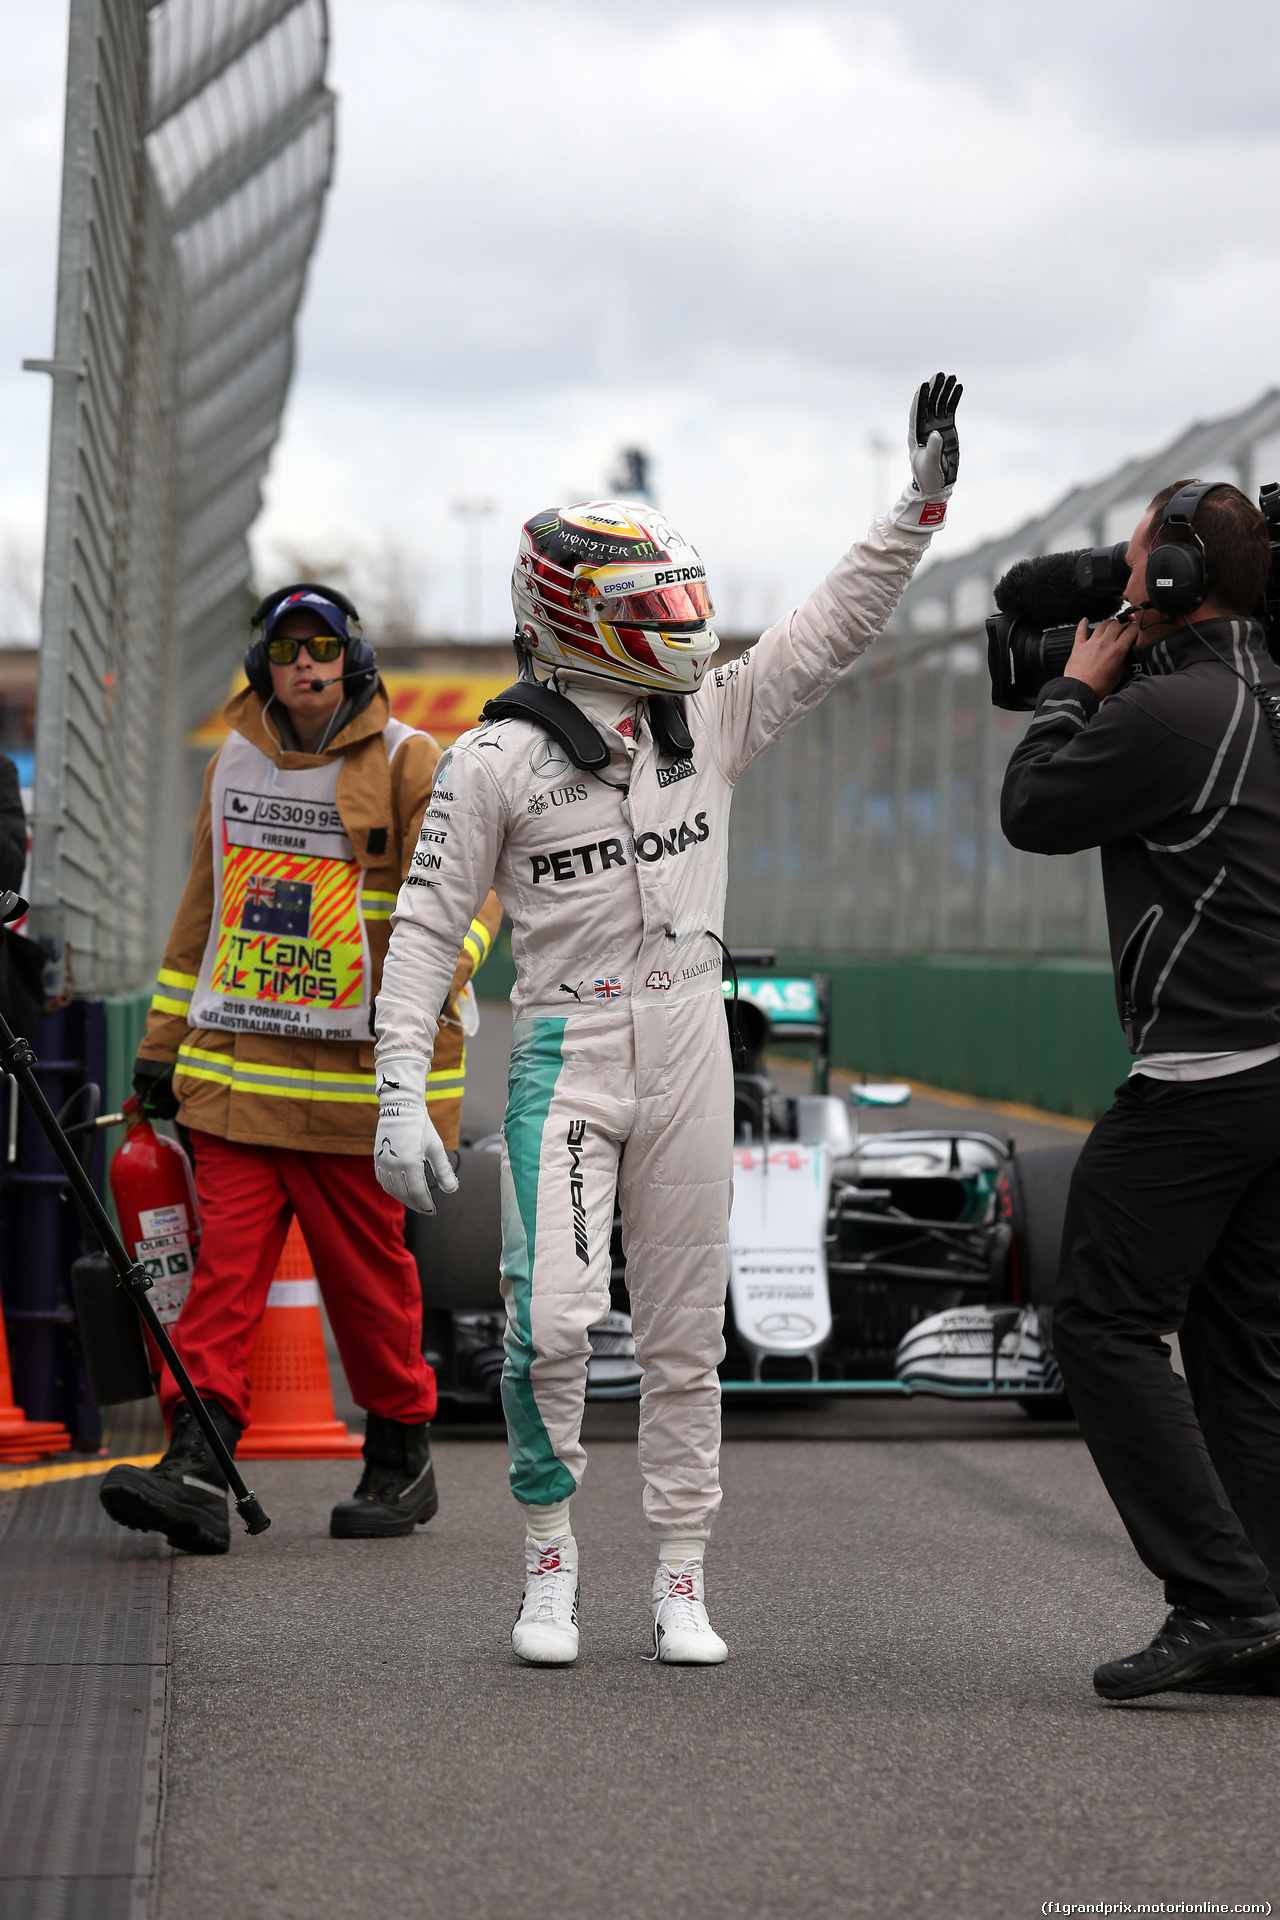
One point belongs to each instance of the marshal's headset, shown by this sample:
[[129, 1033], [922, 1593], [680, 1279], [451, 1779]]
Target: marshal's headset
[[1177, 572], [361, 668]]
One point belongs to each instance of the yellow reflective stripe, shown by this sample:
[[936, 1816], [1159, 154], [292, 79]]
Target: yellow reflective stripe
[[261, 1070], [445, 1086], [376, 905], [323, 1087], [198, 1063], [289, 1083], [178, 997], [302, 1083], [447, 1083], [477, 943]]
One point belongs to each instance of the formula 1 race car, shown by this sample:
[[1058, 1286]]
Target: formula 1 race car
[[882, 1262]]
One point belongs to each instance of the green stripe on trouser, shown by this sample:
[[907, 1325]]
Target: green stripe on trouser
[[538, 1478]]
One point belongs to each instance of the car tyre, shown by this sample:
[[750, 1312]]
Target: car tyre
[[1041, 1181]]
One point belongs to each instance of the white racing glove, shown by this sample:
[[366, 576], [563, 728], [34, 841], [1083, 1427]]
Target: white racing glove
[[407, 1144], [934, 447]]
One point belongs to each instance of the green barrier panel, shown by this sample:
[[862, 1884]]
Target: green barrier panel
[[1041, 1032], [126, 1023], [498, 974]]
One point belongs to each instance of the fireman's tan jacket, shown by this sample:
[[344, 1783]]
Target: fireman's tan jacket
[[316, 1095]]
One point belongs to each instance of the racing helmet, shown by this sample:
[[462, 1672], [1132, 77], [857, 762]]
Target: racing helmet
[[612, 591]]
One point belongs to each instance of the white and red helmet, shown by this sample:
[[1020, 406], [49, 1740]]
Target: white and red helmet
[[613, 591]]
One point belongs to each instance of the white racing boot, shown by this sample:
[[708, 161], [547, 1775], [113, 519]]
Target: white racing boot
[[682, 1634], [546, 1633]]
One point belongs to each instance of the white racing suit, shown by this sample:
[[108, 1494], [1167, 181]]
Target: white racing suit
[[620, 1069]]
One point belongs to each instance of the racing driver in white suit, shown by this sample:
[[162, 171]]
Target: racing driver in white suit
[[621, 1080]]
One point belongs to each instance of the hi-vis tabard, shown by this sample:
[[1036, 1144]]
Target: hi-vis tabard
[[287, 952]]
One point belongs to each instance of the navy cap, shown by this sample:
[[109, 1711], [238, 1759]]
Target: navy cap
[[306, 601]]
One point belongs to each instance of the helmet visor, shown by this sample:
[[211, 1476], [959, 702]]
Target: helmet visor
[[685, 605]]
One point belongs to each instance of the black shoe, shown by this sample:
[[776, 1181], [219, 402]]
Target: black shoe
[[184, 1496], [1260, 1677], [397, 1490], [1190, 1647]]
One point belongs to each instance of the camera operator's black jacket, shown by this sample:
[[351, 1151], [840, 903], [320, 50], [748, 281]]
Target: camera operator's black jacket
[[1177, 778]]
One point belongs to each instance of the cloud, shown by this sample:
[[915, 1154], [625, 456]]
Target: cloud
[[736, 232], [783, 184], [32, 80], [739, 233]]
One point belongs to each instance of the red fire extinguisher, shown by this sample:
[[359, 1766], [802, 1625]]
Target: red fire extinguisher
[[155, 1196]]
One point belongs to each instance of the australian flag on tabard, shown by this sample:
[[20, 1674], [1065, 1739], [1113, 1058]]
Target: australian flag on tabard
[[276, 906]]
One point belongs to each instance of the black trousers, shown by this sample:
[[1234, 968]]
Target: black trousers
[[1173, 1224]]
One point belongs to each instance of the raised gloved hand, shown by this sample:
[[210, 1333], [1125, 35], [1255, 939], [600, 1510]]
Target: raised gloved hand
[[407, 1143], [153, 1084], [934, 447]]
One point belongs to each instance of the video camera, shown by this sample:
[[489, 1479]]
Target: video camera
[[1041, 601]]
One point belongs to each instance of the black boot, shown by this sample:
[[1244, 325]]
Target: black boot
[[184, 1496], [1191, 1647], [397, 1490], [1261, 1677]]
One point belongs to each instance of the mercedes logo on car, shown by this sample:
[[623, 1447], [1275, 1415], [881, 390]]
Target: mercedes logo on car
[[546, 760], [786, 1326]]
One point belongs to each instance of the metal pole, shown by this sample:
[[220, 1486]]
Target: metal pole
[[902, 862], [942, 819], [881, 453], [835, 881], [471, 513], [982, 811], [873, 919]]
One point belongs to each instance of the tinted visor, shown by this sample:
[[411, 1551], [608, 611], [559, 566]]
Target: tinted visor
[[685, 605]]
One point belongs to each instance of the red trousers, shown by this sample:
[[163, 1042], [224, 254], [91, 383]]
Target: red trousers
[[366, 1274]]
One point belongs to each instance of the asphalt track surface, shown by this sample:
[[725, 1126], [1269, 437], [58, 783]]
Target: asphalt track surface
[[914, 1594], [913, 1597]]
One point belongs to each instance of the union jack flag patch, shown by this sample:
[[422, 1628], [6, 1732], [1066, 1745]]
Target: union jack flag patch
[[608, 989]]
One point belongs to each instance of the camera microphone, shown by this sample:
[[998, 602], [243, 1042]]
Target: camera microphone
[[1041, 601], [1059, 589]]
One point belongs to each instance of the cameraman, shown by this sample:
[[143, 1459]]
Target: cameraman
[[1173, 1219]]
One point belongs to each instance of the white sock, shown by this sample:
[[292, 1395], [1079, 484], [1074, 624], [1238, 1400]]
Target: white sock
[[675, 1548], [547, 1523]]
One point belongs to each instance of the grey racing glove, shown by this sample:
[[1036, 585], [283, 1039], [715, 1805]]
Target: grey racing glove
[[934, 447], [407, 1143]]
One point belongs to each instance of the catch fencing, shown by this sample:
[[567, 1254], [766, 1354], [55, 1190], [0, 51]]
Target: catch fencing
[[873, 826], [198, 149]]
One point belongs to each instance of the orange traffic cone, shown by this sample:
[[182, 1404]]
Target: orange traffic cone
[[20, 1438], [291, 1411]]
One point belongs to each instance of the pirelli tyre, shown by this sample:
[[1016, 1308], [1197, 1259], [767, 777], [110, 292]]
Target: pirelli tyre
[[1038, 1184]]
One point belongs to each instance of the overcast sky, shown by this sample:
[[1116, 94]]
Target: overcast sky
[[735, 234]]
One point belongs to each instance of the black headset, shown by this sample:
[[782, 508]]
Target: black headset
[[1177, 572], [361, 668]]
